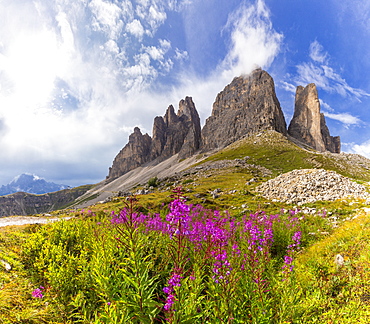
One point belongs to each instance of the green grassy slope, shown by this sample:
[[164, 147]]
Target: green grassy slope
[[323, 292], [275, 152]]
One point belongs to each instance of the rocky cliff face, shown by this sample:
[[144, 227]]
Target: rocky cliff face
[[308, 123], [135, 153], [176, 133], [172, 134], [247, 105], [332, 143], [189, 116]]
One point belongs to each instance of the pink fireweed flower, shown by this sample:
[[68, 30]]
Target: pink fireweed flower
[[288, 259], [297, 236], [37, 293], [174, 281], [169, 302], [222, 267], [292, 248]]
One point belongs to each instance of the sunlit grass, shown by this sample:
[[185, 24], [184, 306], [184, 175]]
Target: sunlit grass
[[319, 291], [337, 292]]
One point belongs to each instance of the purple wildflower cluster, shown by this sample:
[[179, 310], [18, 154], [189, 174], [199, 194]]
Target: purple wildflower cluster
[[258, 233], [174, 281], [291, 250], [221, 268], [37, 293], [225, 246]]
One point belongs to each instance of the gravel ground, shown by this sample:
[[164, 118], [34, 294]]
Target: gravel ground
[[310, 185]]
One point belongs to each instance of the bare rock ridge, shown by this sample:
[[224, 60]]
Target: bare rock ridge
[[172, 134], [135, 153], [176, 133], [247, 105], [308, 123]]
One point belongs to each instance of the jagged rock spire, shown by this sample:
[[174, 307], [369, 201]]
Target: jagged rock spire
[[134, 154], [172, 134], [247, 105], [308, 123]]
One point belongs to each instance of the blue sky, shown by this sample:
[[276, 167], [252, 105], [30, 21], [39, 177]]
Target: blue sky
[[76, 76]]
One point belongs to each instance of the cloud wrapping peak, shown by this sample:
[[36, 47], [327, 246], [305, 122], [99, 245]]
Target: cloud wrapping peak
[[254, 42]]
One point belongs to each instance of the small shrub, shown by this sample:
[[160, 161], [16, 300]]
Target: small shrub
[[153, 182], [187, 181]]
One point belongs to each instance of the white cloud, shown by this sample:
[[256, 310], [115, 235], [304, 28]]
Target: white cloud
[[340, 85], [288, 87], [344, 118], [181, 55], [111, 46], [317, 52], [107, 17], [326, 106], [324, 76], [254, 42], [31, 63], [157, 53], [310, 73], [135, 28], [178, 5], [67, 43], [356, 11], [152, 14], [156, 16], [362, 149]]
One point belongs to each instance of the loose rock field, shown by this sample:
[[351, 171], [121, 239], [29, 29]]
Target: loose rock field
[[310, 185]]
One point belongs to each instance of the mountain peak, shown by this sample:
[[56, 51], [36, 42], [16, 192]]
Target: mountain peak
[[25, 176], [308, 123], [246, 106], [30, 183]]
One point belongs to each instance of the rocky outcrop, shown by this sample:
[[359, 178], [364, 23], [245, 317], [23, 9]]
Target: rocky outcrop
[[172, 134], [176, 133], [189, 116], [308, 123], [332, 143], [247, 105], [135, 153]]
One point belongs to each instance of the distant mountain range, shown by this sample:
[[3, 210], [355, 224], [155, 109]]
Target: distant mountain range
[[30, 183]]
